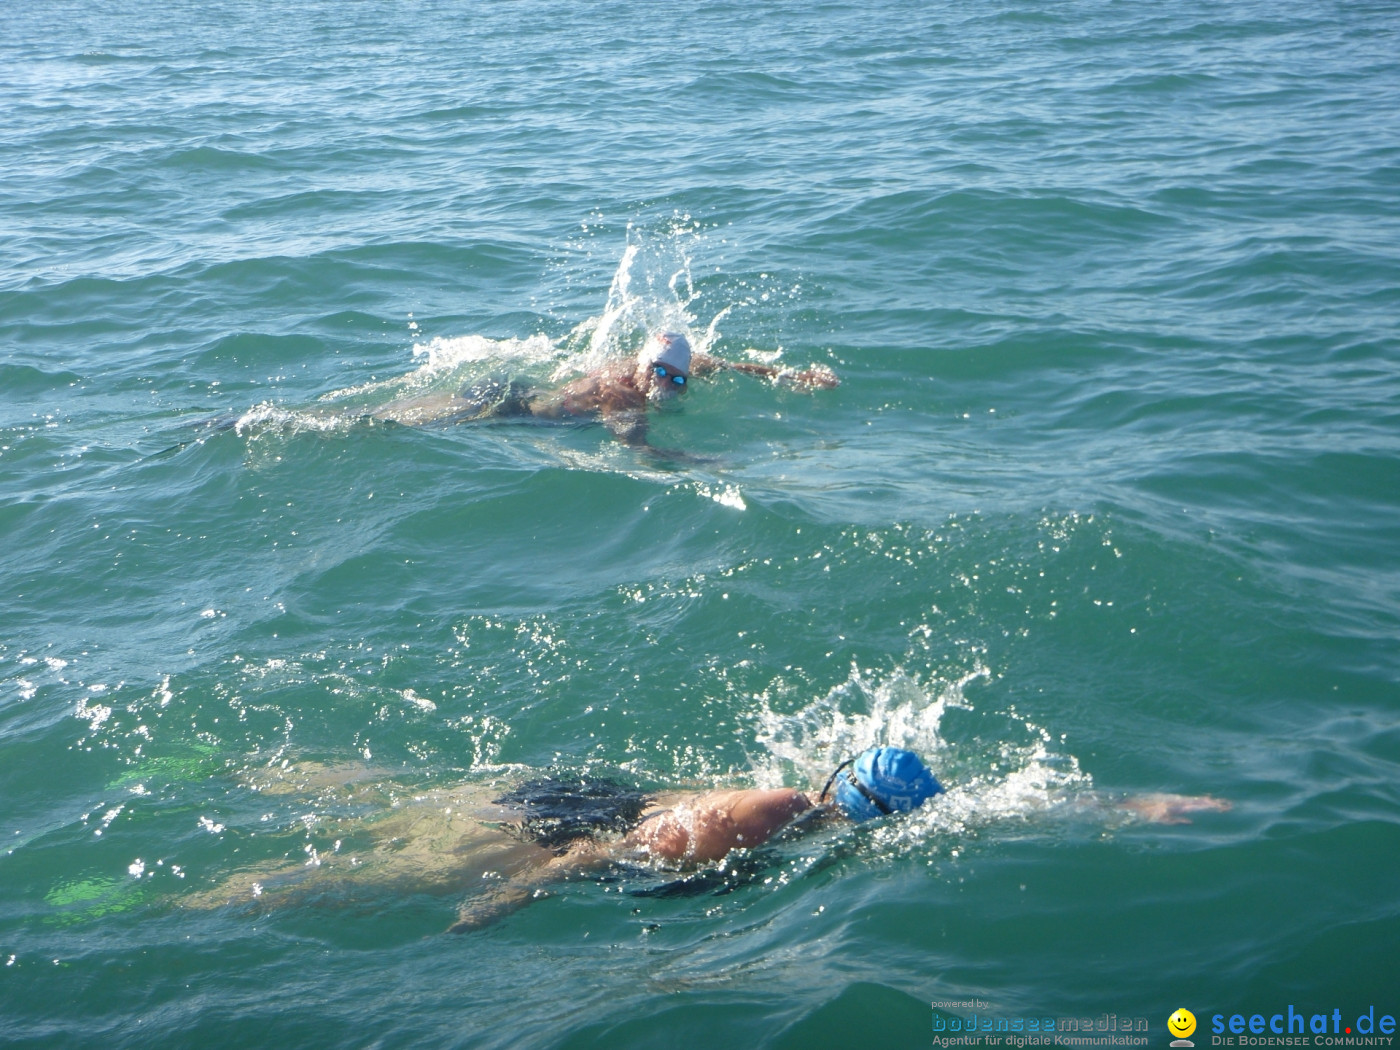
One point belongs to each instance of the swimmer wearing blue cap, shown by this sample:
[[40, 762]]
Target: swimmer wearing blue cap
[[557, 826], [695, 830], [689, 831]]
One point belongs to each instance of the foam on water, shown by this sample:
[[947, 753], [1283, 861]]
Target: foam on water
[[651, 291], [268, 419], [448, 355], [1006, 768]]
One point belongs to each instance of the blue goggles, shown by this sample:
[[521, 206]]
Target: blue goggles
[[662, 372]]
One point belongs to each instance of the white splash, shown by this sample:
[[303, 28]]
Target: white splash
[[652, 290], [422, 703], [861, 712], [267, 418], [727, 496], [448, 355], [94, 714], [1018, 774]]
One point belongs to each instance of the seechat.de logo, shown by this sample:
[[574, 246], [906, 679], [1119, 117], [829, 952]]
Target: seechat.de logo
[[1181, 1024]]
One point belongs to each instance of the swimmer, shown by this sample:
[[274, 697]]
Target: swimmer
[[694, 830], [552, 828], [618, 395]]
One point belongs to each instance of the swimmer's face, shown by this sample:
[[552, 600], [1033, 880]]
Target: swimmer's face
[[664, 381], [663, 366]]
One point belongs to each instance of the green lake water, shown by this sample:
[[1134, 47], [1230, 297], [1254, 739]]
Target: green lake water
[[1106, 504]]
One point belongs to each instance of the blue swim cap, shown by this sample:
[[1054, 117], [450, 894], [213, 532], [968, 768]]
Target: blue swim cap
[[885, 780]]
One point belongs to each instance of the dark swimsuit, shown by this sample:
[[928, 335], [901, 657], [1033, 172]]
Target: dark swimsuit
[[495, 398], [557, 811]]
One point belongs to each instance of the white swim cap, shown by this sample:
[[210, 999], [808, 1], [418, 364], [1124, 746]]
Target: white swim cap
[[667, 348]]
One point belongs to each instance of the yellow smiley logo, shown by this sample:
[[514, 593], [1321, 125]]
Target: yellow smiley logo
[[1182, 1023]]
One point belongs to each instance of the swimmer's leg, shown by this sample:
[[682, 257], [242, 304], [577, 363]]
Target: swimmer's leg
[[219, 424], [198, 433], [492, 398], [522, 888]]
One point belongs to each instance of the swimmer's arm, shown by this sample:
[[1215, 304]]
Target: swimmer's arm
[[705, 828], [818, 377], [1162, 808], [630, 427], [521, 889]]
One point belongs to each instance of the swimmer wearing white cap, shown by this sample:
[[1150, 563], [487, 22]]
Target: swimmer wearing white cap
[[661, 371], [618, 395]]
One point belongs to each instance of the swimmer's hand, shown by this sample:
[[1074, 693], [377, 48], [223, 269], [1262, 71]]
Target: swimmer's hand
[[1169, 809], [482, 911], [817, 378], [631, 429]]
